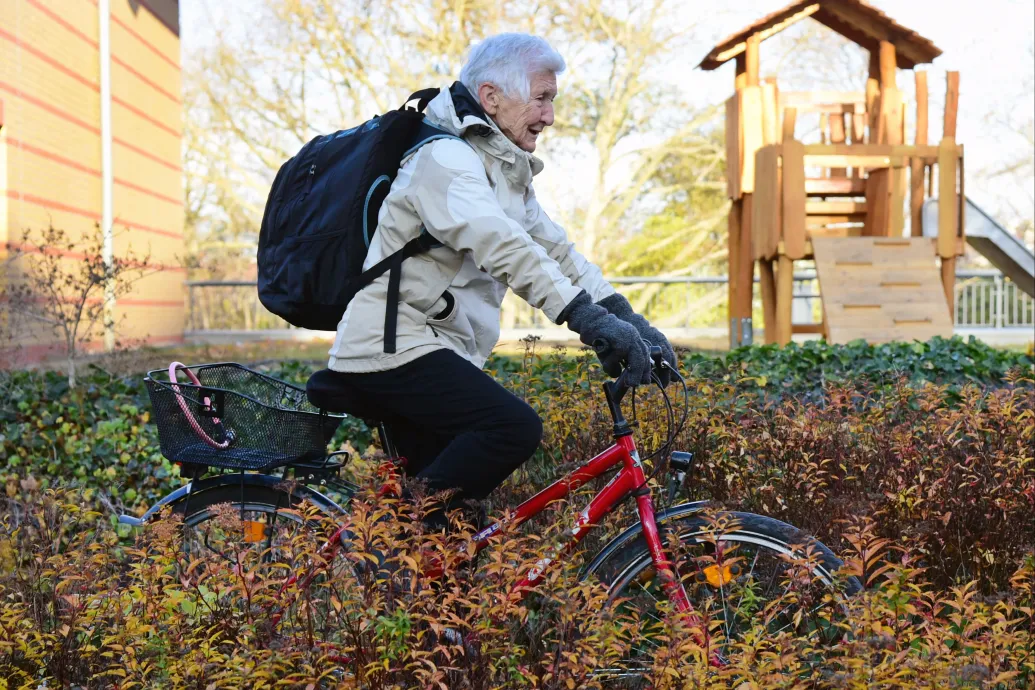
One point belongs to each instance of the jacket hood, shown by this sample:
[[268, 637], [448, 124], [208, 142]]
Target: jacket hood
[[455, 110]]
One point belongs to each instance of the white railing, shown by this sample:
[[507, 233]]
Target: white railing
[[984, 299]]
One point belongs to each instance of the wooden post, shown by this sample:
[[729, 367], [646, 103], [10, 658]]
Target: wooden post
[[751, 60], [949, 202], [752, 135], [733, 247], [872, 94], [734, 146], [896, 212], [949, 284], [790, 115], [952, 103], [886, 67], [746, 263], [887, 64], [734, 165], [767, 283], [858, 128], [961, 230], [948, 208], [784, 298], [770, 112], [878, 203], [885, 127], [837, 136], [917, 167], [766, 219], [858, 137], [793, 201], [751, 129]]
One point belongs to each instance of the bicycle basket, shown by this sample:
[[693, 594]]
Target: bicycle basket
[[236, 418]]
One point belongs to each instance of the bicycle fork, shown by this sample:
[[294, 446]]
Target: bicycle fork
[[630, 481], [670, 581]]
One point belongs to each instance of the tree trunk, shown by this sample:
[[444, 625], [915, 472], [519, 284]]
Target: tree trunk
[[71, 369]]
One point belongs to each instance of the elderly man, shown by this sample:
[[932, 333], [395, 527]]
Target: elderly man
[[471, 190]]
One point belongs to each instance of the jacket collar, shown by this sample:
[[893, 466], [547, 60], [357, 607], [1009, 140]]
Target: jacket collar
[[458, 112]]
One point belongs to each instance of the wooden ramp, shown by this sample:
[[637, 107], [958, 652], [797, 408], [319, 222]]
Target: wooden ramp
[[881, 289]]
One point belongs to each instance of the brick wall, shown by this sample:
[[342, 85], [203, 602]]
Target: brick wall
[[50, 138]]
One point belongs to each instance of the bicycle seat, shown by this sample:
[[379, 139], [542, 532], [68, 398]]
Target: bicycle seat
[[329, 390]]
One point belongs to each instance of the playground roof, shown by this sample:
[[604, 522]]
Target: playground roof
[[856, 20]]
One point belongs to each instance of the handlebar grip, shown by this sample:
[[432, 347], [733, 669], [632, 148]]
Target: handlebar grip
[[656, 355]]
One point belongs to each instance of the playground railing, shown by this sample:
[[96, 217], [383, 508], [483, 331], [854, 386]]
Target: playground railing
[[984, 299]]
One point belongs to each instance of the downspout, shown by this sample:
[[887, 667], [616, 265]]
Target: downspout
[[107, 223]]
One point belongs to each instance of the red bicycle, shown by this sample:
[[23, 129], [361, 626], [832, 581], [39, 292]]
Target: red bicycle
[[240, 433]]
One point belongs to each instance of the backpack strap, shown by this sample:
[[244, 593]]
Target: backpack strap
[[393, 264], [427, 133], [423, 97]]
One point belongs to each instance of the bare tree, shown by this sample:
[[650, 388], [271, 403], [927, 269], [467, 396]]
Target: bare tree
[[618, 102], [55, 285], [317, 65]]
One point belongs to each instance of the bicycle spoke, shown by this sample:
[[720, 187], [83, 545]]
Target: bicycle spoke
[[647, 591], [753, 563], [271, 519], [780, 630], [769, 587], [725, 610]]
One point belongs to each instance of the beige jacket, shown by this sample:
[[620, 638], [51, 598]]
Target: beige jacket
[[475, 197]]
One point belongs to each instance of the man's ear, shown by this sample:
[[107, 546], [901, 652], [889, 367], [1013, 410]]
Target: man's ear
[[489, 97]]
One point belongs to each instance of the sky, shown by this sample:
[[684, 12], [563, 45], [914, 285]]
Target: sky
[[987, 41]]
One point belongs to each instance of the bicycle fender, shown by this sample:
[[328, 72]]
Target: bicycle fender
[[169, 499], [675, 512], [324, 503]]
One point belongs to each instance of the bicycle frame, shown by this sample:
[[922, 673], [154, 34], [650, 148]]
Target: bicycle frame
[[630, 480]]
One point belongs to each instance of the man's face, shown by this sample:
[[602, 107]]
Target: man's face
[[522, 122]]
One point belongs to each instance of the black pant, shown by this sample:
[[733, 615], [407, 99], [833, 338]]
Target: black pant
[[456, 427]]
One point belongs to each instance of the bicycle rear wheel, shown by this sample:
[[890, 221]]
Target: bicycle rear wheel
[[230, 523], [742, 572], [263, 535]]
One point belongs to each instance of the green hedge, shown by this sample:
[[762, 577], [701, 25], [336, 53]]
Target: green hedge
[[101, 436], [806, 368]]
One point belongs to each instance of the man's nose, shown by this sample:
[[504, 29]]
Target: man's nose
[[547, 116]]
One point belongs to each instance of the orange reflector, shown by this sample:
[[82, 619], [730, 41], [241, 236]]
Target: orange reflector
[[717, 576], [254, 531]]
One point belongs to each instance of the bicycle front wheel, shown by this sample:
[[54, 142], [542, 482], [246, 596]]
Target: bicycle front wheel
[[742, 572]]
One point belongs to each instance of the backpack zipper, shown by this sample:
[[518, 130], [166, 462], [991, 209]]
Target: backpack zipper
[[309, 178]]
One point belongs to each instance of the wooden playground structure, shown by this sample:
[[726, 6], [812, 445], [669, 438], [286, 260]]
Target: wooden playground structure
[[841, 202]]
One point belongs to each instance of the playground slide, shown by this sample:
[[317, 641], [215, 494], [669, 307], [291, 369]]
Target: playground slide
[[999, 245]]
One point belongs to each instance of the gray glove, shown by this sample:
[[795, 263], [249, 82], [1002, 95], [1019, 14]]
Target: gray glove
[[615, 341], [620, 307]]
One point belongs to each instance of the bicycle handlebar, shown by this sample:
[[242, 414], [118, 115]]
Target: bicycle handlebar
[[616, 389], [656, 355]]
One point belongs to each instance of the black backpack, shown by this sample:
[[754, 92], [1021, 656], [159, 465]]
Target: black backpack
[[322, 211]]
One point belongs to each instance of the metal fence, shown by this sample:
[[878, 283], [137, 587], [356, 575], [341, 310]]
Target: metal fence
[[984, 300]]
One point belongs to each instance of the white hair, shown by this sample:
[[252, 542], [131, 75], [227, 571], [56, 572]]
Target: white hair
[[509, 61]]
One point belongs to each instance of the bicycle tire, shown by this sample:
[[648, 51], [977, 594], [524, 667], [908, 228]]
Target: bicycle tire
[[630, 565]]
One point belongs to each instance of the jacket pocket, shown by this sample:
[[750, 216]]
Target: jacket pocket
[[448, 312]]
